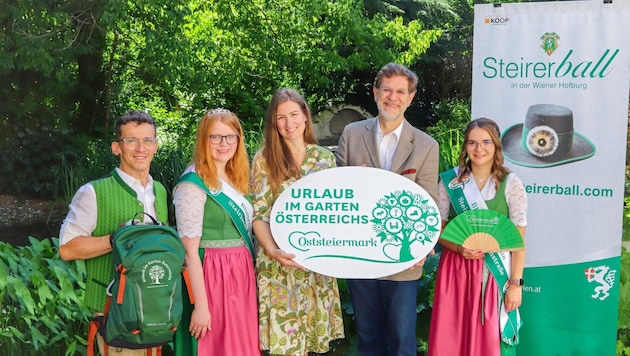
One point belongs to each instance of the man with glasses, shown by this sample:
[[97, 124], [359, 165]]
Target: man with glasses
[[385, 308], [101, 206]]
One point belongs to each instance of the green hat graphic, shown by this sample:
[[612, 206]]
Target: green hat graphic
[[545, 139]]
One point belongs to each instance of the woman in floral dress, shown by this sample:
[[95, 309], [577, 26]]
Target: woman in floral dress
[[299, 310]]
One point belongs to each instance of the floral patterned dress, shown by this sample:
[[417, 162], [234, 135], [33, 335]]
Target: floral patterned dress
[[299, 311]]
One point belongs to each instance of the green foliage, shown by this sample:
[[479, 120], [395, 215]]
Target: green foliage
[[42, 309], [73, 172], [402, 35], [40, 47], [247, 49], [148, 61], [623, 324], [453, 116], [25, 168], [74, 69], [624, 291], [622, 350], [168, 164], [445, 68], [426, 284], [253, 132]]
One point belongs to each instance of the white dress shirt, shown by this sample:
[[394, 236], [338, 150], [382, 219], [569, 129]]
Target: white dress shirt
[[387, 145]]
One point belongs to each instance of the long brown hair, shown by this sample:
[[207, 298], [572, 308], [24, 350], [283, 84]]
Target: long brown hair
[[237, 168], [280, 163], [498, 171]]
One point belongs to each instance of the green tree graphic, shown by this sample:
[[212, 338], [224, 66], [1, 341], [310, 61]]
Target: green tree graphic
[[402, 218]]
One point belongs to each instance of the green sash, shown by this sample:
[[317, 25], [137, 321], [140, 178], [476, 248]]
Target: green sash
[[234, 211], [467, 197]]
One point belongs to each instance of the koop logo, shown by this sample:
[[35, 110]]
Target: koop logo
[[496, 20]]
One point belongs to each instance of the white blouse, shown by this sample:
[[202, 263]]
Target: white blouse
[[515, 196], [190, 200]]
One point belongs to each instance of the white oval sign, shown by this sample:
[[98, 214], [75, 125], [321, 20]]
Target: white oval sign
[[355, 222]]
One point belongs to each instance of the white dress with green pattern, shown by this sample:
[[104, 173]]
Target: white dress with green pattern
[[299, 311]]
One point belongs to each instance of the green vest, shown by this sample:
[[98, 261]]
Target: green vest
[[217, 224], [498, 203], [116, 203]]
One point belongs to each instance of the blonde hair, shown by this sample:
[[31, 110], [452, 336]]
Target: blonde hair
[[498, 171], [280, 163], [237, 168]]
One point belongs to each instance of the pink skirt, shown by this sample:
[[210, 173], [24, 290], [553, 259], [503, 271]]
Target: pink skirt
[[231, 289], [462, 323]]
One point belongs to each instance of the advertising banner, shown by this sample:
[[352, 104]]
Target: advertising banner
[[554, 76]]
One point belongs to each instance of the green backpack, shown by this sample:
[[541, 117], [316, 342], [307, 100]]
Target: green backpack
[[145, 303]]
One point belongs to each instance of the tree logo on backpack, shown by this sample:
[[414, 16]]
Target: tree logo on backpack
[[154, 272]]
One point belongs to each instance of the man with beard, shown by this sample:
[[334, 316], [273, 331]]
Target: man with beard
[[385, 308]]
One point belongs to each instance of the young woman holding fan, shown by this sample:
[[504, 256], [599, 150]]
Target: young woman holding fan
[[477, 291]]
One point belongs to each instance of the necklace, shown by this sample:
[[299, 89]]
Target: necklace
[[481, 180]]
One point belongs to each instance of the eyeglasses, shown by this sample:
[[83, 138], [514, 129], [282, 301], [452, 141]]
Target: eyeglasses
[[133, 143], [485, 144], [229, 139]]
